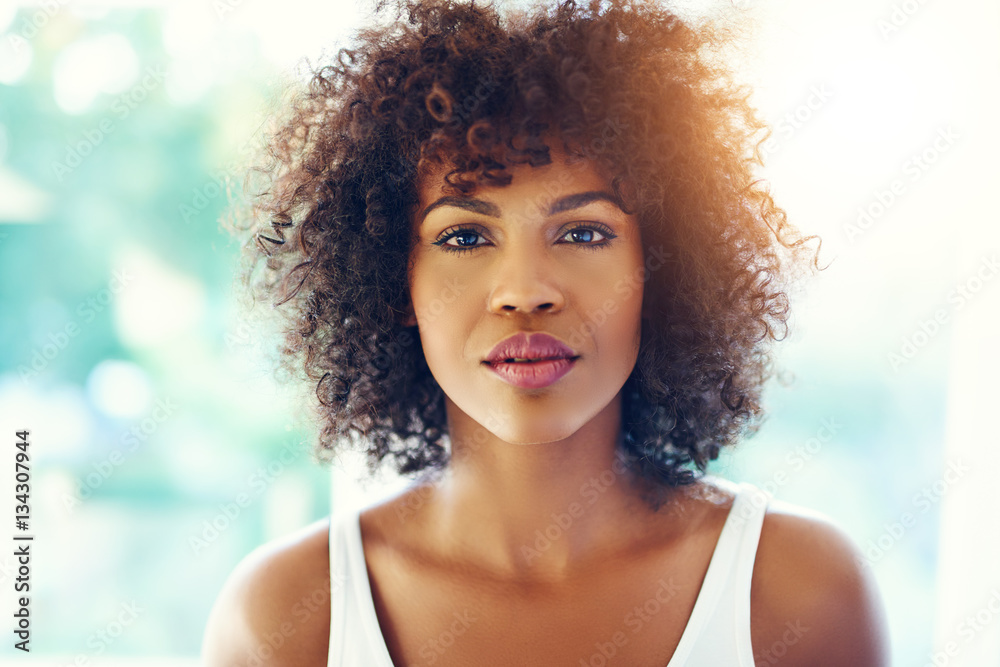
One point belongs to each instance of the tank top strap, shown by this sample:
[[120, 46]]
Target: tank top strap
[[748, 513], [718, 630], [355, 637], [753, 507], [340, 576]]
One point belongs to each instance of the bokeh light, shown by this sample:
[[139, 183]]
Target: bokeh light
[[103, 64], [120, 389]]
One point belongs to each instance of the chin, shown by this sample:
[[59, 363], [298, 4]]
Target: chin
[[539, 431]]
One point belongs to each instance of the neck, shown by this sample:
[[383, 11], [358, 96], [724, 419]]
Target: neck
[[540, 512]]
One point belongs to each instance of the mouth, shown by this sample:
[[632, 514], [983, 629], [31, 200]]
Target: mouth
[[531, 373], [515, 360], [531, 360]]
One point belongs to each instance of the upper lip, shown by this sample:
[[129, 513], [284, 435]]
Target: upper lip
[[530, 345]]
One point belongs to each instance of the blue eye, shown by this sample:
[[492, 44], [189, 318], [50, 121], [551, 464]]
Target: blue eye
[[464, 232], [586, 230]]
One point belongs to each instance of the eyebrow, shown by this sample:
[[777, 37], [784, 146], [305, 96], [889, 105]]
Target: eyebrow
[[567, 203]]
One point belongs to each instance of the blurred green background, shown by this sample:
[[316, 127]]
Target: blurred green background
[[124, 351], [123, 134]]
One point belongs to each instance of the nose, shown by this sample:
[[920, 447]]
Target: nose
[[526, 282]]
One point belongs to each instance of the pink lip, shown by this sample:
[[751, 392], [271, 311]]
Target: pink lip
[[553, 359], [532, 375]]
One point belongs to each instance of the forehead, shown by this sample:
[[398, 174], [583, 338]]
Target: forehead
[[565, 174]]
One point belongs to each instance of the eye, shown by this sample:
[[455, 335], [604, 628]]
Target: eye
[[586, 233], [583, 235], [460, 233]]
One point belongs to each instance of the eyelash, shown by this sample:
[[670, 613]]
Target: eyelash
[[594, 227]]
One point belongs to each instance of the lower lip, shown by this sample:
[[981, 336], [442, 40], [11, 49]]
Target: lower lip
[[532, 375]]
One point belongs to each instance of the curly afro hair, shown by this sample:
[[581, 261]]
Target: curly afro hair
[[625, 83]]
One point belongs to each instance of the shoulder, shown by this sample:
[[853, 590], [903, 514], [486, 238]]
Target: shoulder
[[274, 608], [815, 600]]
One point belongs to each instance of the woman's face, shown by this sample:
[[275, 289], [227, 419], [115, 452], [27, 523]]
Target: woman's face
[[550, 252]]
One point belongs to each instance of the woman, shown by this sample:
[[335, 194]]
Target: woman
[[525, 256]]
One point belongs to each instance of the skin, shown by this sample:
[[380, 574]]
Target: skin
[[536, 448], [466, 543]]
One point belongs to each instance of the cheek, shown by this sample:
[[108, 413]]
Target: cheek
[[424, 279], [623, 304], [440, 302], [439, 287], [628, 319]]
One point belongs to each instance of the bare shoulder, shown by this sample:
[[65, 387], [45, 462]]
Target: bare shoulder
[[274, 608], [814, 597]]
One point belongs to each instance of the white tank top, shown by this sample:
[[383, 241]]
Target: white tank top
[[717, 633]]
